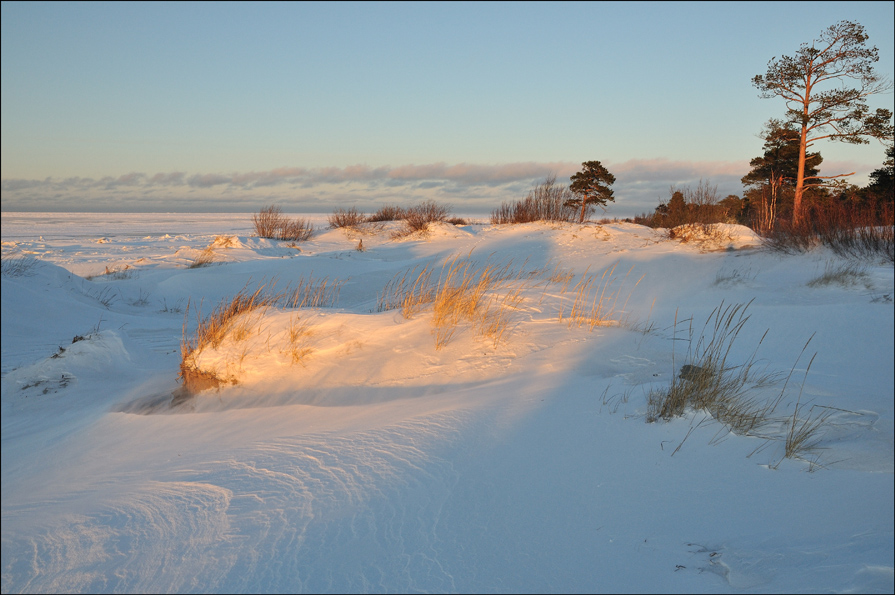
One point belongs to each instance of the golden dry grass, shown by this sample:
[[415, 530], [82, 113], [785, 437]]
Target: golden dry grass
[[485, 295], [205, 258], [236, 318], [596, 301]]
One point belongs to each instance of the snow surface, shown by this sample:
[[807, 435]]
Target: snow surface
[[381, 464]]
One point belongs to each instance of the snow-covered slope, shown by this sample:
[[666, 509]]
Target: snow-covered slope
[[382, 462]]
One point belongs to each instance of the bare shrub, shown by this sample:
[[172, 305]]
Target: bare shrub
[[346, 218], [850, 231], [417, 218], [546, 201], [297, 230], [268, 221], [387, 213], [272, 224]]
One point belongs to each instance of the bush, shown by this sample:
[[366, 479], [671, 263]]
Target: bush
[[849, 230], [689, 207], [272, 224], [546, 201], [387, 213], [418, 218], [346, 218]]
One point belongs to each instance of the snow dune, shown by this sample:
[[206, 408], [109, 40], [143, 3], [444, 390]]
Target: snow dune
[[379, 463]]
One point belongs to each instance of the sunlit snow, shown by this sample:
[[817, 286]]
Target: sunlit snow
[[378, 463]]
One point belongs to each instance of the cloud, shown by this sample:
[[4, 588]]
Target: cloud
[[473, 188], [208, 180], [472, 174], [15, 184], [666, 169], [170, 179]]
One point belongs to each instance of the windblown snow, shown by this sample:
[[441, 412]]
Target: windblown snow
[[376, 459]]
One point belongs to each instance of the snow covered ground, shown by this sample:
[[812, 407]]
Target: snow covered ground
[[380, 463]]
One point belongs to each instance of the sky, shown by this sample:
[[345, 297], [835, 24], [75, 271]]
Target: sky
[[159, 107]]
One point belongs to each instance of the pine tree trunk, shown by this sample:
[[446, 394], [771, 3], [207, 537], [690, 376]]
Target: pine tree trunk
[[800, 177]]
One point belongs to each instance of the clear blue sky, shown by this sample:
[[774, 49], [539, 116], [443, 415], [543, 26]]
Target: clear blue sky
[[231, 106]]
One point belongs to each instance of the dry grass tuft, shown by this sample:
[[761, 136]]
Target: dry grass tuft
[[710, 383], [17, 265], [205, 258], [804, 435], [485, 296], [410, 291], [236, 318], [115, 273], [482, 296], [596, 299], [297, 331], [848, 274]]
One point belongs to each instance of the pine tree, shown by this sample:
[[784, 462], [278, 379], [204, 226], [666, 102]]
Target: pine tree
[[840, 58], [591, 186]]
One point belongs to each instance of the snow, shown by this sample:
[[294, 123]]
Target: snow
[[380, 463]]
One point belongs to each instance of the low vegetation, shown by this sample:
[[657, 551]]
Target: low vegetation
[[848, 230], [350, 218], [596, 299], [710, 382], [236, 318], [387, 213], [272, 224], [700, 207], [731, 392], [843, 274], [485, 296], [546, 201], [17, 265], [417, 218]]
